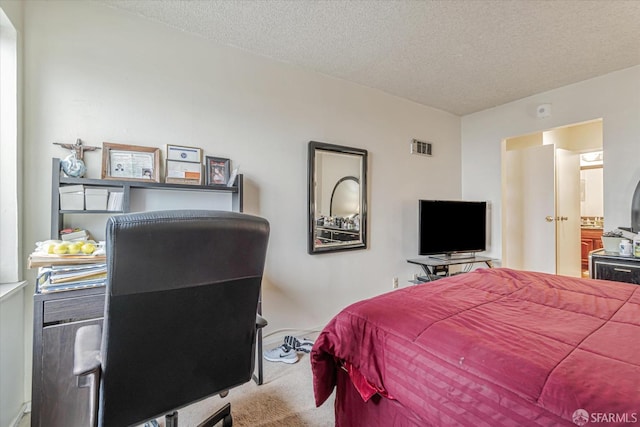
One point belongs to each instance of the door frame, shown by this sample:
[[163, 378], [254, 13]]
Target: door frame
[[578, 143]]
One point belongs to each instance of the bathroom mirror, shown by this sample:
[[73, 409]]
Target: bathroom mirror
[[337, 198]]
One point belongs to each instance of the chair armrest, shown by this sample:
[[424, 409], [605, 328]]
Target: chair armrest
[[87, 364], [261, 322], [86, 350]]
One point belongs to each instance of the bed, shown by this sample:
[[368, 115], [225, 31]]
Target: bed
[[494, 347]]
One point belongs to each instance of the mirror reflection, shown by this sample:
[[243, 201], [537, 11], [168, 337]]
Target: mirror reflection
[[337, 197], [345, 198]]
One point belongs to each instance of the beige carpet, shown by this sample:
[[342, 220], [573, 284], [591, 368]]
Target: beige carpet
[[284, 400]]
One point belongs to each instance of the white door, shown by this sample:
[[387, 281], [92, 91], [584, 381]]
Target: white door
[[568, 213], [541, 226], [539, 208]]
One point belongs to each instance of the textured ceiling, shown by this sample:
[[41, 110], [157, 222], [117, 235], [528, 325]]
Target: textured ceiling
[[460, 56]]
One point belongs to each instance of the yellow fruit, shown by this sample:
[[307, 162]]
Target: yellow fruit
[[88, 248], [50, 248], [61, 248], [74, 248]]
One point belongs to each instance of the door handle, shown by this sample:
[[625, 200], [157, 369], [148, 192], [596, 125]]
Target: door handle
[[549, 218]]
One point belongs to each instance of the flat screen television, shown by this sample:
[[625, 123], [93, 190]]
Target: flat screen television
[[448, 227]]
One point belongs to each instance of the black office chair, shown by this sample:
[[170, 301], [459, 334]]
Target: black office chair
[[180, 317]]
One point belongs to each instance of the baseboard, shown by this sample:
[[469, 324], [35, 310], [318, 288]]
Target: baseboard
[[26, 408]]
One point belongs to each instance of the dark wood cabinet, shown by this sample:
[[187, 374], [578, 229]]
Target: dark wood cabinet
[[591, 239], [56, 378], [57, 317], [615, 267]]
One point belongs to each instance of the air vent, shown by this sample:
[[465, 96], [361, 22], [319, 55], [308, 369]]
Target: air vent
[[420, 147]]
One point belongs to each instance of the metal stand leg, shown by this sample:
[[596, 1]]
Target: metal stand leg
[[259, 378], [171, 420]]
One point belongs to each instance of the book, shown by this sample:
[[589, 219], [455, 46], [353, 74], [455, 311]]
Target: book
[[114, 202], [47, 260], [232, 177], [73, 235], [68, 277], [64, 276], [75, 269], [47, 287]]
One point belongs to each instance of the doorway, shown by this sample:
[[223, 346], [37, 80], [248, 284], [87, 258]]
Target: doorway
[[542, 193], [591, 206]]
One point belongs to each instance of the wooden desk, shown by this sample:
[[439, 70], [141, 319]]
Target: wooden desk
[[437, 268], [56, 400]]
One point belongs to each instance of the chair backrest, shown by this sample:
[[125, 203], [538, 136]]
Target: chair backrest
[[182, 295]]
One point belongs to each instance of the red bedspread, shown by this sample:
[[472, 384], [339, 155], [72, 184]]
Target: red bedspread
[[492, 347]]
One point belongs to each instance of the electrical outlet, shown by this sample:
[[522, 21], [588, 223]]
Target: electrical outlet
[[395, 283]]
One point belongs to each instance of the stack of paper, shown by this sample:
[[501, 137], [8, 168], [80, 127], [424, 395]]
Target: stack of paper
[[114, 202], [68, 277]]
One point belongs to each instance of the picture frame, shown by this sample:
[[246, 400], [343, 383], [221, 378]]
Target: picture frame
[[178, 172], [183, 165], [183, 153], [130, 162], [217, 170]]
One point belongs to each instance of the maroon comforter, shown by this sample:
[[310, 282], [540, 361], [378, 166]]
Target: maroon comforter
[[493, 347]]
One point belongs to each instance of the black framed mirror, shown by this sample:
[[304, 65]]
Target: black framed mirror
[[337, 198]]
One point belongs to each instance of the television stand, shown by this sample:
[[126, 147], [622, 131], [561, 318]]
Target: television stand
[[437, 268], [449, 257]]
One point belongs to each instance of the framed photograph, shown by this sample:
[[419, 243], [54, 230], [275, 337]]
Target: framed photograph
[[184, 154], [217, 170], [177, 172], [130, 162]]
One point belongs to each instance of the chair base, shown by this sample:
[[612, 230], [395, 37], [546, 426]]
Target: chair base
[[223, 414]]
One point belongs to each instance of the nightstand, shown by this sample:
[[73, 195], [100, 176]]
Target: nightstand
[[611, 266]]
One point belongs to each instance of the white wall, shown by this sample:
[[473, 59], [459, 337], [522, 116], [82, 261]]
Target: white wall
[[12, 358], [593, 192], [614, 97], [103, 75]]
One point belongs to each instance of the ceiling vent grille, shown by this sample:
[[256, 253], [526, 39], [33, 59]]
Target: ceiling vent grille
[[421, 148]]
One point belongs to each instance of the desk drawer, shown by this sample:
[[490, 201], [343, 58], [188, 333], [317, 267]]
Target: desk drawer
[[74, 309], [619, 271]]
